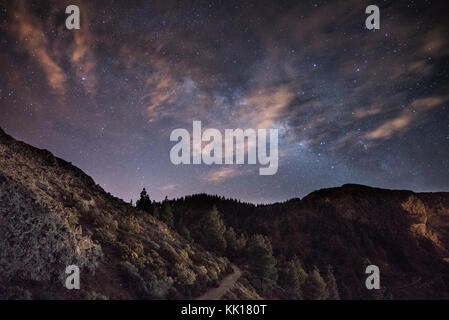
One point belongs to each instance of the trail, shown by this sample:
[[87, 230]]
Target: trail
[[226, 284]]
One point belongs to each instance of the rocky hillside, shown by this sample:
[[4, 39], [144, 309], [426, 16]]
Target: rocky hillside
[[53, 215]]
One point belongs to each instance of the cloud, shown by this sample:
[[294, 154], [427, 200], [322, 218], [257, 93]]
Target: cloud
[[83, 59], [362, 113], [163, 90], [427, 103], [402, 122], [264, 107], [389, 127], [168, 187], [298, 72], [224, 173], [29, 31], [435, 43]]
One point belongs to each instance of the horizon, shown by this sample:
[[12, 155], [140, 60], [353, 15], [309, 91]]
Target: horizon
[[229, 198], [351, 105]]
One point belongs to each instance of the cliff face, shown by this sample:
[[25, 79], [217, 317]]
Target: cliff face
[[53, 215]]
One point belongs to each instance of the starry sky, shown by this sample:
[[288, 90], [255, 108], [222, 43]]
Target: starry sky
[[351, 105]]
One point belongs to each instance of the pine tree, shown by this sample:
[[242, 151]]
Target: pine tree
[[144, 203], [293, 277], [331, 283], [235, 243], [214, 230], [315, 287], [231, 241], [262, 261]]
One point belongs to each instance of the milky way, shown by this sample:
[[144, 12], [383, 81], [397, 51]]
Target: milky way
[[352, 105]]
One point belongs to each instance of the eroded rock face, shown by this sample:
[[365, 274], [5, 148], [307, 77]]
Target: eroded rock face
[[38, 232], [38, 242]]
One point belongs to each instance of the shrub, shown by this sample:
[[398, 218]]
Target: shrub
[[159, 286], [130, 224], [131, 276], [184, 274]]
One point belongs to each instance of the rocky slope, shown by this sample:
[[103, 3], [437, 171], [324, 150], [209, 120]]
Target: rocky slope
[[53, 215]]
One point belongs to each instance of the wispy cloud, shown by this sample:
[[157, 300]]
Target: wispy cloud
[[30, 33], [263, 108], [83, 59], [168, 188], [224, 173], [389, 127], [404, 120]]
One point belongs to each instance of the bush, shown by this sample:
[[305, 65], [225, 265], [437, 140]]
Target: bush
[[159, 286], [130, 274], [92, 295], [130, 224], [184, 274]]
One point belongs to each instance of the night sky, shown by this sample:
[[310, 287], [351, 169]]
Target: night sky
[[352, 105]]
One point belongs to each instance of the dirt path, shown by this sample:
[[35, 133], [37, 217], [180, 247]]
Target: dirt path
[[226, 284]]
